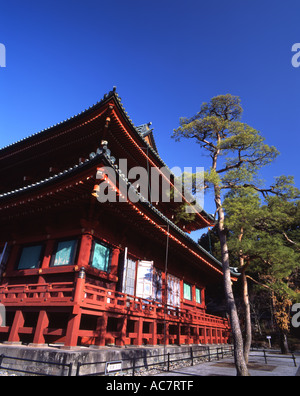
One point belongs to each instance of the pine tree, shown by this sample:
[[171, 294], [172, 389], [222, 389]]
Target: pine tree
[[242, 208], [237, 151], [260, 236], [277, 260]]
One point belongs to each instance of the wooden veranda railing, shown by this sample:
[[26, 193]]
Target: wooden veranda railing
[[148, 317], [99, 298]]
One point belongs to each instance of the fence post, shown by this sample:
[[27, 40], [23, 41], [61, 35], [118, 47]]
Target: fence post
[[70, 369], [265, 356], [133, 366], [168, 361], [1, 360], [78, 369], [294, 359], [192, 356]]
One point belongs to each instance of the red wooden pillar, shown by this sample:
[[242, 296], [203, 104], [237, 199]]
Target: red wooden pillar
[[217, 335], [166, 338], [153, 331], [207, 338], [193, 287], [73, 330], [101, 328], [203, 296], [200, 330], [48, 254], [120, 341], [188, 334], [198, 335], [138, 329], [205, 334], [79, 288], [17, 323], [42, 324], [75, 318], [210, 337], [181, 292], [220, 341], [221, 337], [85, 250], [179, 334], [114, 262]]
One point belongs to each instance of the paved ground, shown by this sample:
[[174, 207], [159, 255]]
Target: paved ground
[[276, 366]]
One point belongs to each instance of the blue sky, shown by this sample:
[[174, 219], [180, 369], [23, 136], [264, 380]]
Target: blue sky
[[165, 57]]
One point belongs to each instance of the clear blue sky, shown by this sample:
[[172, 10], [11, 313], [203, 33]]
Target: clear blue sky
[[165, 57]]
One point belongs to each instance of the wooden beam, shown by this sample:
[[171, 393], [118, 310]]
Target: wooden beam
[[17, 324]]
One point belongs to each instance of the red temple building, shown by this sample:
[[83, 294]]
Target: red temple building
[[76, 271]]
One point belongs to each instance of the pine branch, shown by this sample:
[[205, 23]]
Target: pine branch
[[258, 283], [264, 191], [290, 241]]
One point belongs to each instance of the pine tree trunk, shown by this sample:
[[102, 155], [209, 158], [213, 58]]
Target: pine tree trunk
[[248, 329], [279, 312], [240, 362], [284, 343]]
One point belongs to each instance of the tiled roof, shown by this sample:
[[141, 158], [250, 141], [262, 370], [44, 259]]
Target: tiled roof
[[105, 154], [141, 132], [105, 98]]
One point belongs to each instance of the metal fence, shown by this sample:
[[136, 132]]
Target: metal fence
[[162, 361], [130, 366], [267, 355], [14, 365]]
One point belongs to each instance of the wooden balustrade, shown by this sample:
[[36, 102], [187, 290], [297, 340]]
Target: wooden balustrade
[[59, 293], [148, 318], [109, 300], [102, 299]]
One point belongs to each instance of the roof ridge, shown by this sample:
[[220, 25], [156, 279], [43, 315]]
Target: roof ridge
[[105, 97]]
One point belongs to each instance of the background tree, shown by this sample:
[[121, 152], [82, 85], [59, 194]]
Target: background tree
[[242, 208], [237, 152], [260, 236], [277, 260]]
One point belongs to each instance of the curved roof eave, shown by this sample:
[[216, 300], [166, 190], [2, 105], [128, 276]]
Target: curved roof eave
[[111, 95], [92, 161]]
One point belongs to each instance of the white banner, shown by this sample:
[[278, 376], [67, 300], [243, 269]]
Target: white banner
[[144, 284]]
